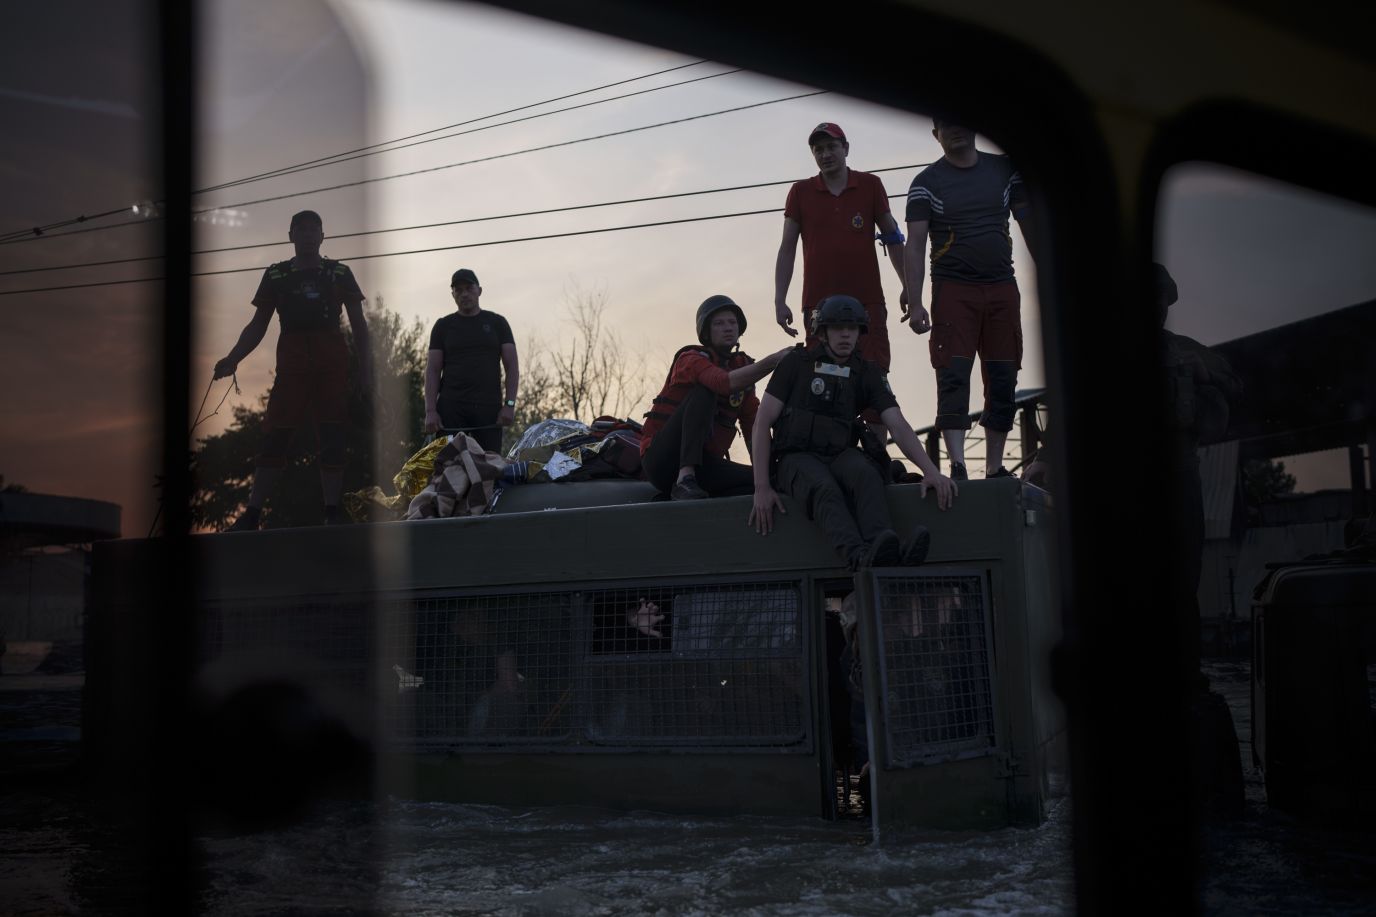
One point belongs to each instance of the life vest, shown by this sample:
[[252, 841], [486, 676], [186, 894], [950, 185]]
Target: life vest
[[821, 414], [673, 393], [309, 299]]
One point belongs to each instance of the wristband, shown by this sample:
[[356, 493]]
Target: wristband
[[509, 403]]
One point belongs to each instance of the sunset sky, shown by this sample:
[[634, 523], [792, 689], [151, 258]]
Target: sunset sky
[[288, 82]]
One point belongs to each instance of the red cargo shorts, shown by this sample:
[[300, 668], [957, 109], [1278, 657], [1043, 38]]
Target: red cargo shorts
[[312, 379]]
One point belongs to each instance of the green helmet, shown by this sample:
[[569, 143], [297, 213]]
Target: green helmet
[[710, 307], [840, 310]]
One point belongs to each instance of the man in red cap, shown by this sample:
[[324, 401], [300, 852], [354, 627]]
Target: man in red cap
[[840, 213]]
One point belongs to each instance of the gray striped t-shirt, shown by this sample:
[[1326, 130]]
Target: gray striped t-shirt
[[967, 213]]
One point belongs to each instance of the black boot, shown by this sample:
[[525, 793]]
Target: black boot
[[915, 548]]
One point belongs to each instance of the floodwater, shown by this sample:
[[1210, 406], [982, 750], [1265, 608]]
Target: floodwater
[[58, 856]]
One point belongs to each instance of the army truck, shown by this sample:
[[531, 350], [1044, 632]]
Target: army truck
[[588, 644]]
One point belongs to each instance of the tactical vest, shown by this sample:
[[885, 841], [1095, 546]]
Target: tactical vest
[[309, 299], [821, 413], [672, 394]]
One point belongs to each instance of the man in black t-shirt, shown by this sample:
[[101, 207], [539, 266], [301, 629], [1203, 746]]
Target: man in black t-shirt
[[963, 200], [470, 351], [809, 420], [307, 293]]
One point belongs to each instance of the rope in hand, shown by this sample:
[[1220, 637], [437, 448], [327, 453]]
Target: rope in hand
[[233, 387]]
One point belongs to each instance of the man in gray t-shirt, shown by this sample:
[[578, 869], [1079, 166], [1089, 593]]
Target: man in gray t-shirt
[[963, 201]]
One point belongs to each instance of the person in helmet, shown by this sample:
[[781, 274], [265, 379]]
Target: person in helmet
[[808, 423], [710, 389]]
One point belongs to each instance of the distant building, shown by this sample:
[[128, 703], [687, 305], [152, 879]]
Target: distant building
[[44, 572]]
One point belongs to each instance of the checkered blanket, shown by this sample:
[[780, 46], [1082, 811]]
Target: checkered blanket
[[462, 483]]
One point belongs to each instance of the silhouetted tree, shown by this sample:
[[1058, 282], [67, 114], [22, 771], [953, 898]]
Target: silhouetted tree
[[1265, 480], [385, 427]]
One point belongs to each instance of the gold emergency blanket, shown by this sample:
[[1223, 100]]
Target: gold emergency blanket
[[415, 473]]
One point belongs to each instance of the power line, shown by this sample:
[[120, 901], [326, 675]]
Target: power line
[[502, 216], [473, 130], [417, 251], [426, 251], [326, 160], [466, 162], [533, 149], [39, 231]]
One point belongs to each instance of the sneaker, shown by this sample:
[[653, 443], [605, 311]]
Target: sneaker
[[884, 551], [916, 547], [958, 472], [1000, 472], [248, 521], [688, 489]]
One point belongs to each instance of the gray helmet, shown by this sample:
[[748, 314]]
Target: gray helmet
[[840, 310], [710, 307]]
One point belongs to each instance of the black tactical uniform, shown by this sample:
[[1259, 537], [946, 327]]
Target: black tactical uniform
[[814, 445]]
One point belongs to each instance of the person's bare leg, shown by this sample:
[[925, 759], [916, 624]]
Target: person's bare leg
[[955, 445], [994, 441]]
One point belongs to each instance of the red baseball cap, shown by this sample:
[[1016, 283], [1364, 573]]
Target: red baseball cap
[[830, 130]]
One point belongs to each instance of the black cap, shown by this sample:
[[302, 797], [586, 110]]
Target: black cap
[[840, 309], [305, 216], [463, 275]]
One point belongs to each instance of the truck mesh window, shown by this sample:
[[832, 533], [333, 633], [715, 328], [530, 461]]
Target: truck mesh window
[[618, 667], [672, 665], [937, 677], [482, 669], [701, 665]]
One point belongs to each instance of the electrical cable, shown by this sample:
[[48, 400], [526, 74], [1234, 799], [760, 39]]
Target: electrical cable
[[418, 251], [343, 157], [452, 165], [425, 251], [25, 235], [501, 216], [325, 160]]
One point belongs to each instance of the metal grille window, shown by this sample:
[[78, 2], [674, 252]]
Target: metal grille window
[[695, 665], [492, 669], [664, 665], [937, 679], [320, 641]]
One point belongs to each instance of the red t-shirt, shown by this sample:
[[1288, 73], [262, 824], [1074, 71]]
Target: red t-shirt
[[838, 237]]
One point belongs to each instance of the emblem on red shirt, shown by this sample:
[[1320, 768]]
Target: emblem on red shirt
[[857, 221]]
